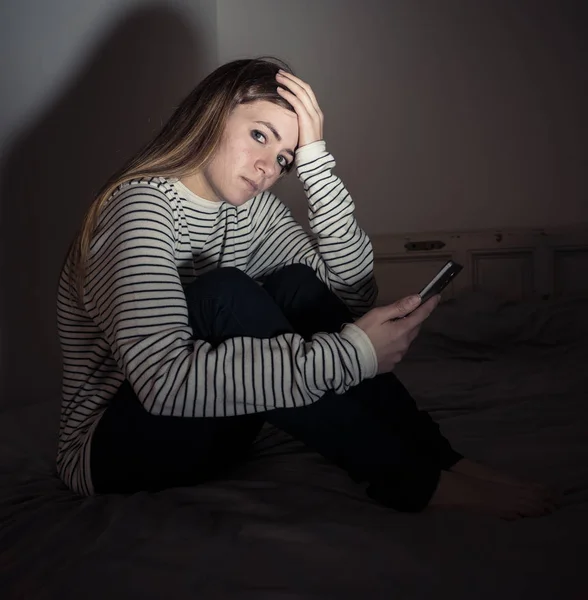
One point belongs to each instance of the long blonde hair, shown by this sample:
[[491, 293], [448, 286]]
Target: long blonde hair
[[186, 143]]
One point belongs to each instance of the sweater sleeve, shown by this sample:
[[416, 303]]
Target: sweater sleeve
[[338, 250], [133, 292]]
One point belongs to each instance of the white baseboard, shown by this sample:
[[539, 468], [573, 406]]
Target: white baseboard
[[512, 264]]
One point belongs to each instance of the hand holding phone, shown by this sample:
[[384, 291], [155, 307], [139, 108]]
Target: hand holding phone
[[390, 340], [445, 275]]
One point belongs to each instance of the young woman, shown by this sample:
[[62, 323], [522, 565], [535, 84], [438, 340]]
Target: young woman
[[193, 308]]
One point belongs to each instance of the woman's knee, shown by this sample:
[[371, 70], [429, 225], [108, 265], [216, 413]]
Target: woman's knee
[[308, 303], [298, 284], [224, 282], [295, 276], [228, 303]]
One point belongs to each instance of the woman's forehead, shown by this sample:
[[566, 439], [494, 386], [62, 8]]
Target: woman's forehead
[[284, 121], [264, 107]]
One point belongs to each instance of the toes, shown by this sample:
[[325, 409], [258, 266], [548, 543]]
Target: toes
[[547, 492], [536, 507], [529, 503], [511, 515]]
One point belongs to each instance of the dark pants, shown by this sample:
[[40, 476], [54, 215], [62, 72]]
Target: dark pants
[[374, 431]]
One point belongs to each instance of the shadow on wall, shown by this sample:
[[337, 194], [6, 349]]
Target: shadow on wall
[[119, 100]]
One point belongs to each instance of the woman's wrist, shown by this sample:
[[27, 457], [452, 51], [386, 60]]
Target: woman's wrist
[[310, 152], [362, 343]]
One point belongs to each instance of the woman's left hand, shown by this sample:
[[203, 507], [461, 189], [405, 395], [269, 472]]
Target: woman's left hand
[[303, 100]]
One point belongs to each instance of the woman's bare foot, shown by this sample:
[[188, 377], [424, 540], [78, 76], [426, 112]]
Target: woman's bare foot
[[503, 500], [473, 469]]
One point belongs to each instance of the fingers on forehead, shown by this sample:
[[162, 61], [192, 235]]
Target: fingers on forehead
[[299, 83]]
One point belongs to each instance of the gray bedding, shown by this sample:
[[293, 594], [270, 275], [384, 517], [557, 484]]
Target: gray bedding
[[507, 383]]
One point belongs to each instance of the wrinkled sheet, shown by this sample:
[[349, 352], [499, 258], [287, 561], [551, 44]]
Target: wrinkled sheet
[[506, 382]]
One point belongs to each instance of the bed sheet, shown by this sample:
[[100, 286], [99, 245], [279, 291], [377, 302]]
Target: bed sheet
[[507, 384]]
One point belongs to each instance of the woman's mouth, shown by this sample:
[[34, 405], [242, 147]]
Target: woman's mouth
[[254, 188]]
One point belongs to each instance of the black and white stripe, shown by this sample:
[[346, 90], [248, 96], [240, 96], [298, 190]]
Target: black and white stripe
[[153, 236]]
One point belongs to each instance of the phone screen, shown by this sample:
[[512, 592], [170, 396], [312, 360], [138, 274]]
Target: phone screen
[[440, 281]]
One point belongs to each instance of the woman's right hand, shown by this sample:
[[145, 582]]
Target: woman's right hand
[[392, 338]]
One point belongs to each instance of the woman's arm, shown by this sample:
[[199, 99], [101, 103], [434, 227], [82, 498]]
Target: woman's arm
[[339, 251], [134, 294]]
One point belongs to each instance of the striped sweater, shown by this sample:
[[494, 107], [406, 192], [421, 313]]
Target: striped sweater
[[153, 236]]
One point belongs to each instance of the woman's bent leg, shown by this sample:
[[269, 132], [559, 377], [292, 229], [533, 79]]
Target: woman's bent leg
[[133, 450], [310, 306], [375, 430]]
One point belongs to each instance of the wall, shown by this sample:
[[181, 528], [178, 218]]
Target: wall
[[442, 115], [84, 84]]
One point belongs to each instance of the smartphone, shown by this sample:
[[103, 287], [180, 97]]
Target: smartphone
[[449, 270], [440, 281]]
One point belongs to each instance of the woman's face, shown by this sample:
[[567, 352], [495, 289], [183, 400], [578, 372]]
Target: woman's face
[[258, 142]]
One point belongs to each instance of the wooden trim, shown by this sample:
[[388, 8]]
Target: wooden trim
[[510, 263]]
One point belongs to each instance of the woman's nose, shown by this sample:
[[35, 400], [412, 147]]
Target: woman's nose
[[267, 165]]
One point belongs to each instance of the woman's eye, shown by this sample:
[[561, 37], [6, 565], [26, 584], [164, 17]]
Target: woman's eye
[[260, 137], [256, 135]]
